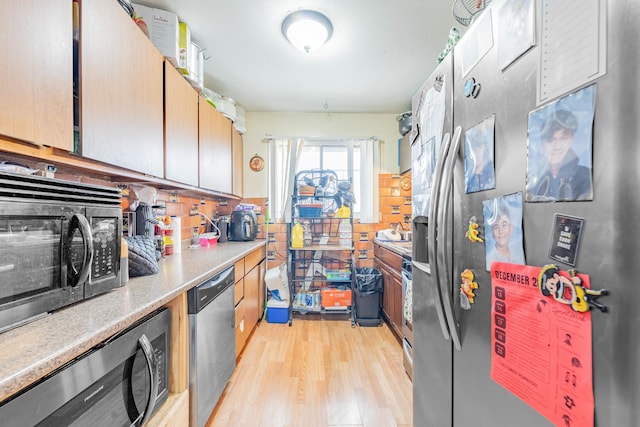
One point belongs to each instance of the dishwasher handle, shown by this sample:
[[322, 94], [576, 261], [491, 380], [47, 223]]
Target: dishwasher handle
[[201, 295]]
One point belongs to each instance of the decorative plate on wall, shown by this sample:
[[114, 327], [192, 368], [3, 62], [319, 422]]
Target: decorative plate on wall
[[256, 163], [405, 183]]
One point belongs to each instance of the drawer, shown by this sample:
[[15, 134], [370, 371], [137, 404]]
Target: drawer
[[254, 258], [239, 291], [239, 270], [392, 259]]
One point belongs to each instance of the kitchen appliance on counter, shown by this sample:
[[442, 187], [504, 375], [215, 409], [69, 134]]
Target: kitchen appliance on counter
[[59, 243], [223, 225], [121, 382], [458, 347], [212, 356], [244, 225]]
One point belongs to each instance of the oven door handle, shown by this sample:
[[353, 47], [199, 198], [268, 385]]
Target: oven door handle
[[79, 276], [152, 366]]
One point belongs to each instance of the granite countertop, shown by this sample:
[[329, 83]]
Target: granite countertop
[[31, 351], [402, 247]]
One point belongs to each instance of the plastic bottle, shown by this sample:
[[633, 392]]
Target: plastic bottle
[[168, 236], [124, 261], [345, 234], [297, 236], [344, 211]]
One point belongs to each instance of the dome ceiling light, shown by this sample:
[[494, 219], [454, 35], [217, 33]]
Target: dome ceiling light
[[307, 29]]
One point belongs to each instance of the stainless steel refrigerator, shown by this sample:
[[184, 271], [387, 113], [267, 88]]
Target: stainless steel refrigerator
[[453, 346]]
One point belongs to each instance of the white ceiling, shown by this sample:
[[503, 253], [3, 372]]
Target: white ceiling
[[380, 53]]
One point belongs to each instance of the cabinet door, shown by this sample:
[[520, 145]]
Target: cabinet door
[[181, 127], [215, 149], [236, 142], [261, 288], [121, 90], [36, 81], [389, 289], [397, 302], [386, 293], [251, 297], [242, 332]]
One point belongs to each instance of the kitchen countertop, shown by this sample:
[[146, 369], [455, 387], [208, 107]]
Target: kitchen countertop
[[32, 351], [402, 248]]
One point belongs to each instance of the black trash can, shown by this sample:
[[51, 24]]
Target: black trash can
[[368, 296]]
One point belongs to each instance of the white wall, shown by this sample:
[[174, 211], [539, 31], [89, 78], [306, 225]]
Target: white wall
[[333, 125]]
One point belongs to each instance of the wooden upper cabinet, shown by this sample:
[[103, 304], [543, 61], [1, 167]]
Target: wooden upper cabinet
[[215, 149], [36, 80], [121, 90], [180, 127], [236, 147]]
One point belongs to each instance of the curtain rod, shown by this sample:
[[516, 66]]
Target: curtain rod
[[267, 138]]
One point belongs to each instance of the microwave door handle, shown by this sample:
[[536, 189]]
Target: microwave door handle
[[443, 257], [82, 224], [152, 366], [431, 231]]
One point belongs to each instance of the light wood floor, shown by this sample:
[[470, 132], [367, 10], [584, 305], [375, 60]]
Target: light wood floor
[[318, 372]]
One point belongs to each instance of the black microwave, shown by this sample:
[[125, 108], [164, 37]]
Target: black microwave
[[122, 382], [59, 244]]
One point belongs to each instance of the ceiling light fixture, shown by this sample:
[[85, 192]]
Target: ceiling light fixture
[[307, 29]]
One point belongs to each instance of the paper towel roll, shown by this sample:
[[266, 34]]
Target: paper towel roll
[[176, 225]]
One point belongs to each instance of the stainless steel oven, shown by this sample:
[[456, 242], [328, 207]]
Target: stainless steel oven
[[59, 243], [407, 315], [118, 384]]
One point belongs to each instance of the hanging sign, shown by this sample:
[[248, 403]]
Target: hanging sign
[[541, 349], [565, 239]]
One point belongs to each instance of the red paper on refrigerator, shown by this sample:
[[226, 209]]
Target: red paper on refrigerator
[[542, 344]]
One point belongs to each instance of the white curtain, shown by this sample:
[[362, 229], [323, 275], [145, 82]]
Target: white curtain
[[369, 171], [284, 154]]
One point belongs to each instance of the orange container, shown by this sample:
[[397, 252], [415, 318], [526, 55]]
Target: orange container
[[336, 298]]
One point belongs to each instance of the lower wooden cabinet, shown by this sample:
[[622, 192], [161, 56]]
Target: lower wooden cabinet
[[390, 266], [174, 412], [249, 295]]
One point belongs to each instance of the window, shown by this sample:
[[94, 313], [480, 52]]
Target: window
[[355, 159]]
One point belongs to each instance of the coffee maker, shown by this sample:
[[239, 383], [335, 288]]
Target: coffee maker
[[244, 225], [223, 225]]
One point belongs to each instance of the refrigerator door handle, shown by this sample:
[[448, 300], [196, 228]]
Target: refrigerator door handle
[[432, 229], [443, 251]]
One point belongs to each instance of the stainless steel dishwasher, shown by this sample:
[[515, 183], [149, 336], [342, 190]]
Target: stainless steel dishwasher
[[212, 357]]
